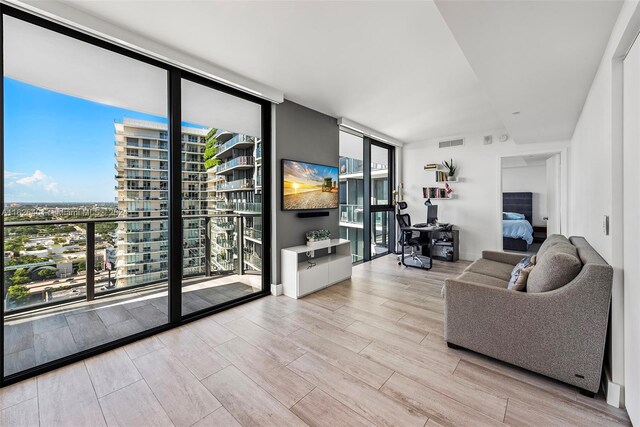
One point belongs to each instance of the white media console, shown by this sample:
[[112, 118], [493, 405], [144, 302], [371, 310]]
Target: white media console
[[307, 269]]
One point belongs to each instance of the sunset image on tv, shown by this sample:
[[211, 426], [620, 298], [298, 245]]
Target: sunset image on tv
[[309, 186]]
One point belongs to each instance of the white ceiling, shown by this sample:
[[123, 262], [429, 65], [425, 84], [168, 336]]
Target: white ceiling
[[535, 57], [392, 66], [395, 66]]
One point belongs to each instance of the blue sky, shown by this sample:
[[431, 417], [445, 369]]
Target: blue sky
[[59, 148]]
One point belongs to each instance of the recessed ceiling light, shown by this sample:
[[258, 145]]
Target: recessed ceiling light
[[515, 113]]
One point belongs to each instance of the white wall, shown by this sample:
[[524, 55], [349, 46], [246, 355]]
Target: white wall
[[474, 210], [530, 179], [596, 181]]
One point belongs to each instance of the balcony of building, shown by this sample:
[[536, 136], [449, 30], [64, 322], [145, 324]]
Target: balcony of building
[[237, 185], [238, 141], [241, 162], [85, 307]]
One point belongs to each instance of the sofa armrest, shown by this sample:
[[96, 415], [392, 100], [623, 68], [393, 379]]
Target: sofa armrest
[[560, 333], [503, 257]]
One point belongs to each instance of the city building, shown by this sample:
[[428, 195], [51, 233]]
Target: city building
[[222, 199]]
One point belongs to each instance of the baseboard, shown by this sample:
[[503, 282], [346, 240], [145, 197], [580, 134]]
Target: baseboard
[[276, 289], [614, 392]]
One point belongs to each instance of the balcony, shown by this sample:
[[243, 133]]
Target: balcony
[[244, 207], [242, 162], [135, 287], [352, 214], [224, 206], [240, 184], [238, 141]]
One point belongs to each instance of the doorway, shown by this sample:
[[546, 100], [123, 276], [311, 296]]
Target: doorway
[[530, 200]]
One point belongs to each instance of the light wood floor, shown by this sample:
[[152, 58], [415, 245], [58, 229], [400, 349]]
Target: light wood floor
[[368, 351]]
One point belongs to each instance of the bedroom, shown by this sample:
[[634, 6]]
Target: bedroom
[[530, 200]]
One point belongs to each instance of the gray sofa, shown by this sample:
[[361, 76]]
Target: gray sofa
[[556, 329]]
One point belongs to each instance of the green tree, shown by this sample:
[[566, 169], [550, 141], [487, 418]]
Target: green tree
[[18, 293], [210, 150], [82, 266], [20, 277], [47, 273]]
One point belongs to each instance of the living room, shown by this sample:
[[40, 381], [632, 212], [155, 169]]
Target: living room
[[347, 213]]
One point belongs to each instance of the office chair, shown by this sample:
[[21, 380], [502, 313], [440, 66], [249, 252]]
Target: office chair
[[410, 238]]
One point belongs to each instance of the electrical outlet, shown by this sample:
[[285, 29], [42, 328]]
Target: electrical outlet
[[605, 225]]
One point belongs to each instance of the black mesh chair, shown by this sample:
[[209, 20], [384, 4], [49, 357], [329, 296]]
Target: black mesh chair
[[409, 238]]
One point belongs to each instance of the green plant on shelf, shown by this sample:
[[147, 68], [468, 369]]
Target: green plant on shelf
[[451, 167]]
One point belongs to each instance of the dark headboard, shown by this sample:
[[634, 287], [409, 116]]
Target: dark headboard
[[518, 203]]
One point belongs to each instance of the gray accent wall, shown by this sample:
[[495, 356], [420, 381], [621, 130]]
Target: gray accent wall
[[306, 135]]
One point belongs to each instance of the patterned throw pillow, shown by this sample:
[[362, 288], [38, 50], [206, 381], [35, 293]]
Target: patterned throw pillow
[[521, 282], [515, 273]]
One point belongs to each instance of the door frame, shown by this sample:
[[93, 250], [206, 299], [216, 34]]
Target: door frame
[[564, 187]]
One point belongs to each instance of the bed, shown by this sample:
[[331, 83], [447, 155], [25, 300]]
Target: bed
[[517, 234]]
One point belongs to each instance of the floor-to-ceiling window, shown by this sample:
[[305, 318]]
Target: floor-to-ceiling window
[[366, 210], [132, 195]]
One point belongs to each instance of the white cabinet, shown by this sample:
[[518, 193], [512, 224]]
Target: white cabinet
[[306, 270]]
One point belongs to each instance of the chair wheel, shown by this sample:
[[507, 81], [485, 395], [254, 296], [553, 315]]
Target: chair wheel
[[399, 263]]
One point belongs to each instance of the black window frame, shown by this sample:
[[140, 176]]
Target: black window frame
[[174, 76]]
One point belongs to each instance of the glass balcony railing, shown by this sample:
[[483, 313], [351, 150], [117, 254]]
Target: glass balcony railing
[[238, 139], [123, 257], [243, 207], [353, 214], [237, 162], [240, 184]]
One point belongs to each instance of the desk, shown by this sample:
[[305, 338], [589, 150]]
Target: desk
[[413, 263]]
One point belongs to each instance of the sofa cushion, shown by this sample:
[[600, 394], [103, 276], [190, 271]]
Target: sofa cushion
[[495, 269], [471, 277], [550, 241], [558, 266]]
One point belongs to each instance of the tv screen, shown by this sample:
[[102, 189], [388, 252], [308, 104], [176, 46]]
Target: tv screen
[[308, 186]]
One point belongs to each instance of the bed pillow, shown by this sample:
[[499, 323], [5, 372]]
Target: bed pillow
[[512, 215], [515, 273]]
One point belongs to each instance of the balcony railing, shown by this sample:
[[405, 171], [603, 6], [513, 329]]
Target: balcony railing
[[238, 139], [49, 281], [353, 214], [240, 184], [237, 162]]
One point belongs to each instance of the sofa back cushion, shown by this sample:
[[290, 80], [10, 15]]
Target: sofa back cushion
[[551, 241], [556, 267]]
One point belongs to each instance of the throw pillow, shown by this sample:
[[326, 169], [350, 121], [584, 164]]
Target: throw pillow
[[521, 282], [515, 273]]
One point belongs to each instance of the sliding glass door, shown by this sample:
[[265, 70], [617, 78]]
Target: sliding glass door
[[366, 187], [132, 196], [221, 197]]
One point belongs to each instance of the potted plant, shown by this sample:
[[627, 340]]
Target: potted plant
[[317, 237], [450, 167]]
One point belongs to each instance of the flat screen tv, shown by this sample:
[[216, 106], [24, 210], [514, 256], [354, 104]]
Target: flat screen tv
[[308, 186]]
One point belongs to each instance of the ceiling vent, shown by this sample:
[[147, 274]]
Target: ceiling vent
[[451, 143]]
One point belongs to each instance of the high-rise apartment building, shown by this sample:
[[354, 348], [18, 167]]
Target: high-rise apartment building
[[229, 186]]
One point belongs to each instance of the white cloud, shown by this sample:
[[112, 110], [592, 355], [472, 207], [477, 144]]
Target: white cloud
[[11, 175], [39, 179], [37, 176]]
